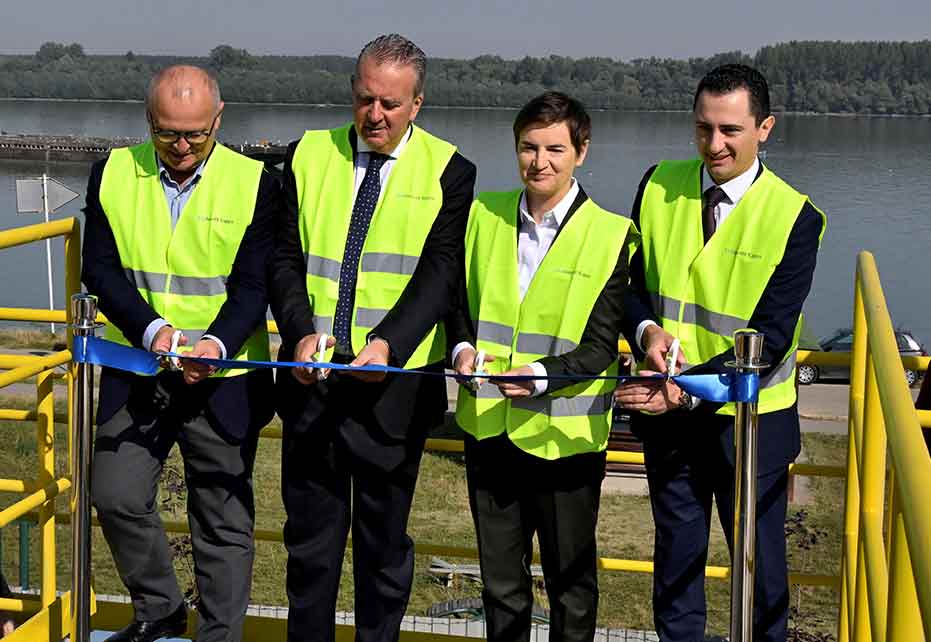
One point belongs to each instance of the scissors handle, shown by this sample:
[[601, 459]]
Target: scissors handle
[[174, 363], [672, 358], [478, 368], [319, 355]]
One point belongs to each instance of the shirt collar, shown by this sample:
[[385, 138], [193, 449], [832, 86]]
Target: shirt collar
[[735, 188], [559, 211], [362, 148], [166, 177]]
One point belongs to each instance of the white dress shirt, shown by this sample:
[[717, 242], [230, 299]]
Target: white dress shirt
[[177, 195], [533, 242], [362, 162]]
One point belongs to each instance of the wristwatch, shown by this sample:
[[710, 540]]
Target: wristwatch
[[372, 337], [685, 400]]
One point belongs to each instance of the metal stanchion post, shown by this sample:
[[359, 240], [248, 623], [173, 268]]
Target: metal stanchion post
[[748, 346], [84, 314]]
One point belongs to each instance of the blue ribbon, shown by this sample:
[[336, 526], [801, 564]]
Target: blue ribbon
[[711, 387]]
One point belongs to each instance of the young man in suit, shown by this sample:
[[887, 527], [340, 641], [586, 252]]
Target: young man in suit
[[545, 276], [726, 245], [178, 234], [369, 247]]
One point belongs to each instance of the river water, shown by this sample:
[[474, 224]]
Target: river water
[[871, 176]]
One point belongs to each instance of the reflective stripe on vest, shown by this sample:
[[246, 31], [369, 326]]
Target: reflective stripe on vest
[[408, 205], [526, 341], [703, 293], [548, 321], [192, 285], [371, 262], [577, 406], [182, 272]]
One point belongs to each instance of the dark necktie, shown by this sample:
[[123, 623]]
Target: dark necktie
[[362, 211], [712, 198]]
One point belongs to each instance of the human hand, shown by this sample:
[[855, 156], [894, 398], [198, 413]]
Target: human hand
[[194, 371], [513, 389], [306, 350], [375, 353], [657, 343], [465, 361], [162, 340], [653, 397]]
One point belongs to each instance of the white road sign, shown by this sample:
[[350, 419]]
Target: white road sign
[[30, 195]]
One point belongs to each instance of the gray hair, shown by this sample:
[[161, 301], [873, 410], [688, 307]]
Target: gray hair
[[183, 79], [396, 49]]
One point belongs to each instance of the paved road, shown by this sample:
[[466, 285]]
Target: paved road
[[823, 407]]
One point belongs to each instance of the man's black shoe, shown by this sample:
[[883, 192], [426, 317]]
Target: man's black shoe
[[168, 627]]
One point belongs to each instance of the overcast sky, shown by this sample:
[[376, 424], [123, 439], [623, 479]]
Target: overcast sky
[[511, 28]]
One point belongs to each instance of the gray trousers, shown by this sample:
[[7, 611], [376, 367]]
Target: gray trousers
[[129, 452]]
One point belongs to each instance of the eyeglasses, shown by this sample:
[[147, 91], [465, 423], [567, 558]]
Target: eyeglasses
[[170, 137]]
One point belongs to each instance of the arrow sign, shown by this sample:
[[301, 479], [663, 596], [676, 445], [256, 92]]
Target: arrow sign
[[44, 195], [29, 195]]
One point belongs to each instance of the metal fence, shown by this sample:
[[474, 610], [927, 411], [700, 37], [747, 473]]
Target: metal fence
[[885, 587]]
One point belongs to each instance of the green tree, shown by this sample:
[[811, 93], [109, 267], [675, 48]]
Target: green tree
[[223, 56], [51, 51]]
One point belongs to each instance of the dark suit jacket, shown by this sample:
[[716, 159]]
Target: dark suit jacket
[[234, 405], [775, 316], [597, 347], [401, 408]]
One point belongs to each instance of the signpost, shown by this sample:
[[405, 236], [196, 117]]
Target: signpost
[[45, 195]]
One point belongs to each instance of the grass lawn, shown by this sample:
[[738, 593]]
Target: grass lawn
[[20, 337], [441, 516]]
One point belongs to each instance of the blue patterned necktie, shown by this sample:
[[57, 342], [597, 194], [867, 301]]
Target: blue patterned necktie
[[362, 211]]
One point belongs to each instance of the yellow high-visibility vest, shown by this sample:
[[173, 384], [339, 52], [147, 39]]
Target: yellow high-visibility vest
[[182, 272], [549, 321], [702, 293], [408, 205]]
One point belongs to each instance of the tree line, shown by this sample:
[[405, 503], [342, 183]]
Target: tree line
[[810, 76]]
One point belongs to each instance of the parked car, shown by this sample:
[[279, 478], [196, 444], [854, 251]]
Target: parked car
[[842, 341]]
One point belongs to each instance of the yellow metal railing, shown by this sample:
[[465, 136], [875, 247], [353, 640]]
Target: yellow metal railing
[[875, 576], [886, 552], [41, 492]]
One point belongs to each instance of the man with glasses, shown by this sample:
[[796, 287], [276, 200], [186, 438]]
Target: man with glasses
[[178, 232]]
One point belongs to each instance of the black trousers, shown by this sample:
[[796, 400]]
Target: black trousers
[[328, 488], [683, 481], [513, 495], [129, 452]]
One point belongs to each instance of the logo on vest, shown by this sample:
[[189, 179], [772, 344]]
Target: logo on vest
[[743, 254], [568, 272], [215, 219], [417, 197]]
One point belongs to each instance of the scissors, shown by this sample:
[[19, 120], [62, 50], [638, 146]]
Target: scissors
[[478, 369], [174, 363], [672, 357], [322, 373]]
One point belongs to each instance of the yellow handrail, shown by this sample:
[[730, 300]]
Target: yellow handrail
[[886, 585], [41, 492]]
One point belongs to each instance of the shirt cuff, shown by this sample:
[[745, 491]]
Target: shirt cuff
[[539, 385], [640, 329], [151, 330], [462, 345], [218, 342]]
